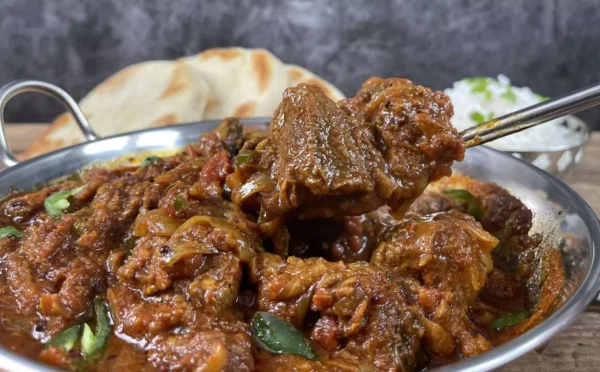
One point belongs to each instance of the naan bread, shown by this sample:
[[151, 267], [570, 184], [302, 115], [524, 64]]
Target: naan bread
[[214, 84]]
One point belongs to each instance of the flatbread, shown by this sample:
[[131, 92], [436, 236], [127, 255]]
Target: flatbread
[[214, 84]]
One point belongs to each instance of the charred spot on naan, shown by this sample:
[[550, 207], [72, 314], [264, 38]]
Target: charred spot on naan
[[328, 92], [223, 53], [211, 105], [45, 143], [169, 119], [295, 75], [62, 120], [245, 109], [261, 66], [180, 79], [119, 79]]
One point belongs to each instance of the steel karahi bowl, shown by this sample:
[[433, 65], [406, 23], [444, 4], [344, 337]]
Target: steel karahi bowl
[[558, 210]]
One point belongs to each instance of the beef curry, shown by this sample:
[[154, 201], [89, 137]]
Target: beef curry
[[335, 240]]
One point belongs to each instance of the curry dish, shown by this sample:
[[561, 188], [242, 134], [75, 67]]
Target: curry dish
[[334, 240]]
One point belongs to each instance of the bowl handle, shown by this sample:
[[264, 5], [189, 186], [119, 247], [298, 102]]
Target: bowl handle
[[16, 87]]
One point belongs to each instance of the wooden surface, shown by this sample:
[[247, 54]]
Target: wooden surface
[[575, 349]]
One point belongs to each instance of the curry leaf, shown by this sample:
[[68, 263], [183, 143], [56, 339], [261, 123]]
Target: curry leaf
[[508, 320], [10, 231], [279, 336], [473, 206], [93, 343], [57, 202], [152, 159], [66, 339]]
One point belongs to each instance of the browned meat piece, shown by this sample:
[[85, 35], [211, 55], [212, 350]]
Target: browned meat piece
[[449, 253], [203, 351], [363, 316], [322, 161], [531, 263], [292, 363], [228, 136], [431, 202], [349, 239], [503, 215]]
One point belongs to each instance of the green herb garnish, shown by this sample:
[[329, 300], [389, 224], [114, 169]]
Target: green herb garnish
[[477, 117], [152, 159], [480, 85], [277, 335], [509, 95], [57, 202], [508, 320], [542, 98], [10, 231], [473, 206]]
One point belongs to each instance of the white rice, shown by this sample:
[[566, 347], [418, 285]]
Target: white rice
[[487, 98]]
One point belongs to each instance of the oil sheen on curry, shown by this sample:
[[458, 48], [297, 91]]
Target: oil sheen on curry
[[335, 240]]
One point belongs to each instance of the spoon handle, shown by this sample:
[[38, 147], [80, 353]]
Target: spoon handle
[[532, 116]]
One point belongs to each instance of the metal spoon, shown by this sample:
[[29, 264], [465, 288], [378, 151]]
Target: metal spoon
[[532, 116]]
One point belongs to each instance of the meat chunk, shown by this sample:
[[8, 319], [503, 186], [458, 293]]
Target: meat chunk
[[202, 351], [321, 161], [528, 260], [362, 315], [449, 254], [504, 216], [349, 239], [292, 363]]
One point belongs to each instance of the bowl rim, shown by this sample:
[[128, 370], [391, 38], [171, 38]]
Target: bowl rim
[[498, 356]]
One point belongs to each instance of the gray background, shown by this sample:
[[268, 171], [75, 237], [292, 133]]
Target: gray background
[[552, 46]]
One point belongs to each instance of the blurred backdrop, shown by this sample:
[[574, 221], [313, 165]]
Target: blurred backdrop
[[553, 46]]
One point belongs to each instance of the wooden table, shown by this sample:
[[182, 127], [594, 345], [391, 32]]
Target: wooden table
[[575, 349]]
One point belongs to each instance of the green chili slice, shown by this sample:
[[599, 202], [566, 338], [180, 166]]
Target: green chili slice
[[473, 206], [508, 320], [93, 343], [10, 231], [152, 159], [243, 158]]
